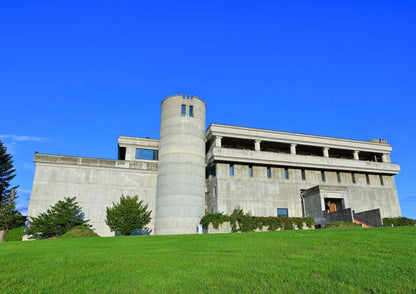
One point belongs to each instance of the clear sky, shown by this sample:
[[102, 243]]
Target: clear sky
[[75, 75]]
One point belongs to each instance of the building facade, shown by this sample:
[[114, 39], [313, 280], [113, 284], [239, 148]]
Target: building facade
[[190, 172]]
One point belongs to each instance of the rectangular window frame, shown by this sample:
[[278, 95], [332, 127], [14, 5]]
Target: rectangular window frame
[[140, 154], [191, 111], [381, 180], [323, 177], [250, 171], [354, 181], [338, 177], [303, 174], [269, 172], [183, 110], [282, 212], [367, 179], [232, 170]]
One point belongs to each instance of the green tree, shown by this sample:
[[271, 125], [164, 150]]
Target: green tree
[[57, 220], [9, 216], [128, 215]]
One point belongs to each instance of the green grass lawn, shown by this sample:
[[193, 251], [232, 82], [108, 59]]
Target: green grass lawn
[[378, 260]]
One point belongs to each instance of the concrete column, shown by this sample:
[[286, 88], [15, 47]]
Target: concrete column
[[292, 148], [384, 157], [257, 145], [325, 151], [356, 157], [218, 141]]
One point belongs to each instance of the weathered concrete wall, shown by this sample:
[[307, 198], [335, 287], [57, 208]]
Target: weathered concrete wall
[[262, 196], [96, 183], [180, 196]]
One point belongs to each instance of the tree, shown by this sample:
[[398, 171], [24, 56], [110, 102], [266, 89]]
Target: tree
[[9, 216], [128, 215], [57, 220]]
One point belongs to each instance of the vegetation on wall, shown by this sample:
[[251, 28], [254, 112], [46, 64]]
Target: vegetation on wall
[[399, 221], [241, 222]]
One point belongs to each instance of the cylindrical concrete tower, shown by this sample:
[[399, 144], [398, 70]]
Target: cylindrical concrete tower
[[180, 196]]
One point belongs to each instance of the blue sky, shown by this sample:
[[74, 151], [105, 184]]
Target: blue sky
[[75, 75]]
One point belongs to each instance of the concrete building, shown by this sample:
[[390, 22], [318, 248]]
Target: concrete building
[[190, 171]]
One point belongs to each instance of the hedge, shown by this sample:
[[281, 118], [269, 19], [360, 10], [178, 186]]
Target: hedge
[[398, 221], [246, 223]]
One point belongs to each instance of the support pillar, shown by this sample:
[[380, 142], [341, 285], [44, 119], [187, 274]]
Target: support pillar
[[257, 145], [356, 157], [292, 148], [218, 141], [325, 151]]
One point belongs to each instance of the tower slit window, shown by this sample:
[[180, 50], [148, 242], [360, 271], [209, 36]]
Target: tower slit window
[[183, 112], [367, 178], [323, 178], [381, 180], [303, 174], [286, 173], [191, 111], [338, 177], [250, 171], [231, 169], [269, 173], [353, 178]]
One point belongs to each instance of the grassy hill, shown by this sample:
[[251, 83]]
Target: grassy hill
[[379, 260]]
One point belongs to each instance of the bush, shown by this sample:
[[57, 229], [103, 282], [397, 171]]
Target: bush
[[128, 215], [342, 224], [399, 221], [79, 232], [15, 234], [58, 220], [241, 222]]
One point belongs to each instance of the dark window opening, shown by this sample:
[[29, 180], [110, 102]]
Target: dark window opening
[[381, 180], [191, 111], [275, 147], [231, 169], [122, 153], [235, 143], [353, 178], [282, 212], [333, 204], [269, 173], [183, 109], [323, 178], [309, 150], [341, 153], [339, 177], [303, 174], [147, 154], [367, 178], [286, 173], [250, 171]]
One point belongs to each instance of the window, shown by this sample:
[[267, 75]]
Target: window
[[303, 174], [381, 180], [191, 111], [353, 178], [231, 169], [338, 177], [282, 212], [269, 173], [146, 154], [183, 109], [250, 171], [367, 178], [286, 173], [323, 178]]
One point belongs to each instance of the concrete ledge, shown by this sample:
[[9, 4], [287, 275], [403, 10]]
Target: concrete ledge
[[302, 161], [96, 162]]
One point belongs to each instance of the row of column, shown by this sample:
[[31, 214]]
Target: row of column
[[325, 150]]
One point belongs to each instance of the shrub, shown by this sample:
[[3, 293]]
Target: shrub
[[57, 220], [15, 234], [399, 221], [342, 224], [241, 222], [128, 215], [79, 232]]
